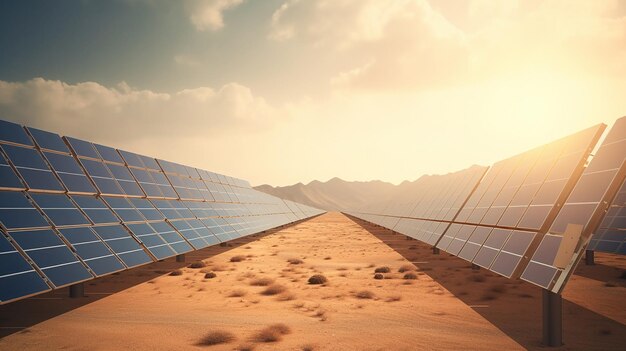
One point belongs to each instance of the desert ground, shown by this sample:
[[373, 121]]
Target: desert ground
[[260, 299]]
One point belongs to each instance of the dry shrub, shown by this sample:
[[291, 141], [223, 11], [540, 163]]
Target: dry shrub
[[262, 281], [238, 258], [216, 337], [197, 264], [317, 279], [410, 276], [364, 294], [272, 333], [219, 268], [327, 258], [295, 261], [210, 275], [307, 347], [382, 270], [393, 298], [246, 347], [274, 289], [286, 296], [237, 293], [406, 268], [177, 272]]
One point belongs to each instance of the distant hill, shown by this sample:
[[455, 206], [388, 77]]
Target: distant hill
[[338, 194], [335, 194]]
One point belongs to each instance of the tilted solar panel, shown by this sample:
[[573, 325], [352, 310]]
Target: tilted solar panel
[[71, 210]]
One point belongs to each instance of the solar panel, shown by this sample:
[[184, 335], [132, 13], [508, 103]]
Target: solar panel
[[503, 220], [611, 235], [71, 210], [17, 273], [32, 168], [52, 256], [586, 207]]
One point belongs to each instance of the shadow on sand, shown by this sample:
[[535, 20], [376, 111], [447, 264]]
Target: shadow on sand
[[513, 306], [18, 316]]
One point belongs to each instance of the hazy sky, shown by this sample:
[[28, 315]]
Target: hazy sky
[[286, 91]]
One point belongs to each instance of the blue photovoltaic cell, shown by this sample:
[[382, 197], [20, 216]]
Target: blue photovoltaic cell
[[191, 235], [33, 169], [124, 209], [48, 140], [8, 178], [169, 234], [17, 277], [82, 148], [126, 248], [611, 235], [52, 256], [147, 182], [14, 133], [100, 175], [70, 172], [132, 159], [125, 180], [151, 240], [109, 154], [146, 208], [92, 250], [95, 209], [59, 209], [16, 211]]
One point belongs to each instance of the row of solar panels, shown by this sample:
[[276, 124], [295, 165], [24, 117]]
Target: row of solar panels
[[71, 210], [530, 216]]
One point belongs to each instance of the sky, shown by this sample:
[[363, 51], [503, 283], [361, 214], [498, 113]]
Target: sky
[[287, 91]]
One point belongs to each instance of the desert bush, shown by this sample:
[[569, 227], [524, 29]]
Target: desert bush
[[393, 298], [317, 279], [238, 258], [307, 347], [177, 272], [216, 337], [274, 289], [295, 261], [197, 264], [272, 333], [237, 293], [210, 275], [406, 268], [246, 347], [382, 270], [410, 275], [365, 294], [262, 282]]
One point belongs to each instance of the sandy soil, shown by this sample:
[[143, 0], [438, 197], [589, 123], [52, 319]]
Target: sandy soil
[[448, 307]]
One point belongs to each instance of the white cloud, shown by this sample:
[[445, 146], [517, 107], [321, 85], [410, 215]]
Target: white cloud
[[209, 14], [90, 110], [408, 44], [400, 43]]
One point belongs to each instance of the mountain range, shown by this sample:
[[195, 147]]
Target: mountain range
[[338, 194]]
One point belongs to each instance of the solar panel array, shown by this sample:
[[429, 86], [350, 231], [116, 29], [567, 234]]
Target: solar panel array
[[72, 210], [512, 218]]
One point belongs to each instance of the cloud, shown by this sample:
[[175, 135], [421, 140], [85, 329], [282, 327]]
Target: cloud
[[92, 111], [402, 44], [411, 45], [208, 15]]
